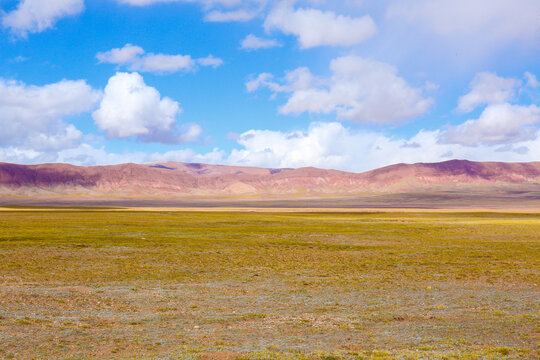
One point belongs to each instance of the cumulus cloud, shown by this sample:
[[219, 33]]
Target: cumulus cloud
[[360, 90], [252, 42], [131, 108], [315, 27], [498, 124], [31, 116], [135, 59], [481, 24], [60, 136], [325, 145], [34, 16], [333, 146], [488, 88], [322, 145]]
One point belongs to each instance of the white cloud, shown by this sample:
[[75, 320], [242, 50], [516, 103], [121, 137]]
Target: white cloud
[[31, 116], [498, 124], [331, 145], [132, 108], [88, 155], [263, 79], [480, 24], [135, 58], [163, 63], [322, 145], [216, 156], [252, 42], [360, 90], [26, 156], [206, 3], [314, 27], [216, 10], [189, 133], [325, 145], [531, 80], [296, 80], [64, 137], [488, 88], [227, 16], [210, 61], [128, 54], [34, 16], [148, 2]]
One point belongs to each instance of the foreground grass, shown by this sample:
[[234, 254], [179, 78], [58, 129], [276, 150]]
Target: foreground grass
[[196, 285]]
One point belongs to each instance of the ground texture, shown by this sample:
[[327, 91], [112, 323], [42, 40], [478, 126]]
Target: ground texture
[[84, 284]]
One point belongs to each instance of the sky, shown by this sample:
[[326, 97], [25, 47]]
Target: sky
[[339, 84]]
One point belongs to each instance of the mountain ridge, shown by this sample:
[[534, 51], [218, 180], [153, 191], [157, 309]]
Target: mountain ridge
[[177, 180]]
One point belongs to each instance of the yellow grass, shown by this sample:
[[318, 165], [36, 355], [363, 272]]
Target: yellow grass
[[158, 283]]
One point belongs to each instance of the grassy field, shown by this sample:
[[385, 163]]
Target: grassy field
[[83, 284]]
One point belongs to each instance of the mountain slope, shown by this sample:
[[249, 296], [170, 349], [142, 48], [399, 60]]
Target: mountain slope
[[173, 180], [457, 171]]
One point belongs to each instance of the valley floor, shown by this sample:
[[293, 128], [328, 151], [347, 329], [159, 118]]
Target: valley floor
[[163, 284]]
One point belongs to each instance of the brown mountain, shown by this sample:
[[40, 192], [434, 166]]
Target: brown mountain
[[166, 182]]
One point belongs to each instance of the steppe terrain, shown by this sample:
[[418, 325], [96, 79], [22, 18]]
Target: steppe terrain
[[135, 284]]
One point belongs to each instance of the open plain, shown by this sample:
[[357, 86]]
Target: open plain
[[163, 284]]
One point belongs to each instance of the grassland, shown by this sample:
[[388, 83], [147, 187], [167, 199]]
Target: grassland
[[83, 284]]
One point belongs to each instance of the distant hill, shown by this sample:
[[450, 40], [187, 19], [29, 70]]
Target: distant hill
[[174, 181]]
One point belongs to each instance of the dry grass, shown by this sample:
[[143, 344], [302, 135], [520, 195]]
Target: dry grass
[[224, 285]]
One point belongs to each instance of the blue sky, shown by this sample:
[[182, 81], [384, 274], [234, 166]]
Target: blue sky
[[351, 84]]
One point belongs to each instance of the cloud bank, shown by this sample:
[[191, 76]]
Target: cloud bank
[[325, 145]]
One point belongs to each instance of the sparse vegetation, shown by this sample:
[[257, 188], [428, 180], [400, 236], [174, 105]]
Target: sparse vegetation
[[84, 284]]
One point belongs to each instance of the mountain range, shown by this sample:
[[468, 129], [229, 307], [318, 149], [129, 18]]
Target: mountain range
[[171, 183]]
